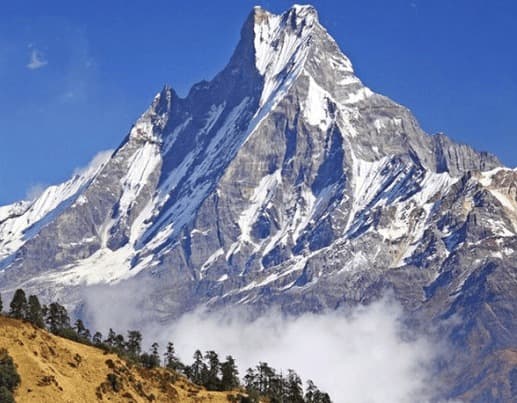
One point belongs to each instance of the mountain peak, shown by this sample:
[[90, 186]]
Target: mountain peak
[[280, 36], [280, 43], [259, 11], [300, 11], [303, 11]]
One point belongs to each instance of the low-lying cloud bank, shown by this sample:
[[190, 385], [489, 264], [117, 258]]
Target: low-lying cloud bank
[[363, 355], [356, 357]]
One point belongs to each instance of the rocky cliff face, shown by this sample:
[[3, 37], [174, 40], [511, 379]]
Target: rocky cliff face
[[283, 181]]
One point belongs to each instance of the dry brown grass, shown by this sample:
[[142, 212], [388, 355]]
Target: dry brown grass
[[57, 370]]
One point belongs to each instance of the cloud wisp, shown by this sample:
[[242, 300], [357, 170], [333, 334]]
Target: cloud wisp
[[358, 356], [98, 159], [36, 60], [363, 355], [34, 191]]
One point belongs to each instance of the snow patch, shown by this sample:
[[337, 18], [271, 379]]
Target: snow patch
[[261, 195], [315, 110], [213, 258], [103, 267]]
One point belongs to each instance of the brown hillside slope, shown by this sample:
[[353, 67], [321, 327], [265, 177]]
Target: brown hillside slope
[[55, 370]]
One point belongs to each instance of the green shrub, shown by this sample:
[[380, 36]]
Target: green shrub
[[115, 383], [9, 378], [5, 395]]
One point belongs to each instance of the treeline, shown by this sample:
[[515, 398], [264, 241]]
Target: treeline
[[206, 369], [264, 381]]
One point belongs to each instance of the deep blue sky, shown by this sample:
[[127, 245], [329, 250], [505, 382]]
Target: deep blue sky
[[73, 79]]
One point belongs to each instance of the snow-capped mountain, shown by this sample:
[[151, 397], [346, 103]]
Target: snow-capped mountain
[[284, 181]]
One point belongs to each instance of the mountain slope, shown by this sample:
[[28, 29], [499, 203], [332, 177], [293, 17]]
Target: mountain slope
[[324, 155], [283, 181], [53, 369]]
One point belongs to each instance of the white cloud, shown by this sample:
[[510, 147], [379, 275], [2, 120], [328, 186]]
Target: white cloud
[[357, 357], [80, 78], [34, 191], [100, 158], [37, 60], [363, 355]]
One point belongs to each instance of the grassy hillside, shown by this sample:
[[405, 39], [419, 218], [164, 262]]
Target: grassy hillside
[[55, 370]]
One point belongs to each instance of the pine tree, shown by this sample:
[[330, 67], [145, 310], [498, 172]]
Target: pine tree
[[57, 319], [211, 375], [18, 305], [322, 397], [294, 387], [119, 344], [82, 332], [1, 304], [155, 355], [314, 395], [110, 340], [152, 359], [310, 392], [97, 339], [134, 343], [171, 361], [198, 368], [265, 376], [230, 374], [35, 312], [250, 380], [277, 388]]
